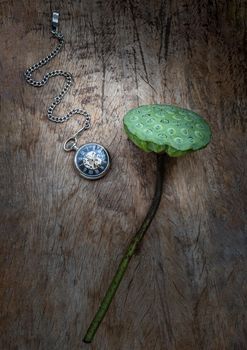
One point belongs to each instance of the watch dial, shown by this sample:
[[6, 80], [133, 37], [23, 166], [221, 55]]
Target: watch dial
[[92, 161]]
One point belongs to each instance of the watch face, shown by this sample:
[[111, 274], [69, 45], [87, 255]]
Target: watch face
[[92, 161]]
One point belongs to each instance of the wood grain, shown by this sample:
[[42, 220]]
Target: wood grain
[[62, 237]]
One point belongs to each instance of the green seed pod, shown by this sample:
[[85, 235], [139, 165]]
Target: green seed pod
[[166, 128]]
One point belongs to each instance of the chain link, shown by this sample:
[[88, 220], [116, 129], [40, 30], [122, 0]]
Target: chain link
[[68, 82]]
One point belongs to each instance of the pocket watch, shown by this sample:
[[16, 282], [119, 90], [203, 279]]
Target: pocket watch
[[92, 160]]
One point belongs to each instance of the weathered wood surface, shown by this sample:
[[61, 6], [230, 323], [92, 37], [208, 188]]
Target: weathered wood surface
[[62, 237]]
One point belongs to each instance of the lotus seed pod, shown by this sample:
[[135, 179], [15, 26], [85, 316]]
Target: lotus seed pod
[[166, 128]]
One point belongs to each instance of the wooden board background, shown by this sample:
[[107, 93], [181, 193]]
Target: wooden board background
[[62, 237]]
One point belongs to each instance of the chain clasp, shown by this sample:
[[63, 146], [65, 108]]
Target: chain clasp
[[54, 21]]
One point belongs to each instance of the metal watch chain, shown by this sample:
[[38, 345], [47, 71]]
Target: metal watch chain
[[71, 143], [68, 79]]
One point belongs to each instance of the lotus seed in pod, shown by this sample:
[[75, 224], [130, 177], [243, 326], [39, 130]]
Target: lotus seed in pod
[[166, 128]]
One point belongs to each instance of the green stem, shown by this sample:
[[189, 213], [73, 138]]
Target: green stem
[[128, 254]]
